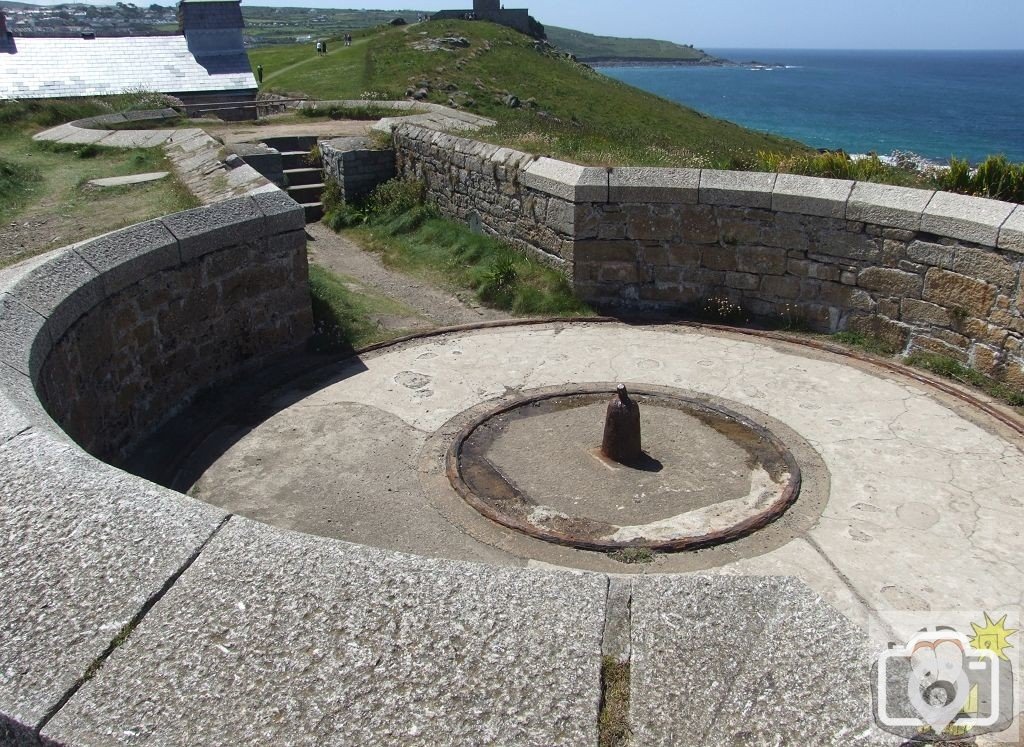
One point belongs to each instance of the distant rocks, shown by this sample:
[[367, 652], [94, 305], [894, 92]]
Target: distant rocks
[[444, 44]]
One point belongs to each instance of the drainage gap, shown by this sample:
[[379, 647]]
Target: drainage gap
[[613, 719]]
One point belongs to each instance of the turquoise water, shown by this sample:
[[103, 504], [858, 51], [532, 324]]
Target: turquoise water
[[935, 104]]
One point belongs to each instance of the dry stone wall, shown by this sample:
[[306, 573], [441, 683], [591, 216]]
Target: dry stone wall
[[922, 270]]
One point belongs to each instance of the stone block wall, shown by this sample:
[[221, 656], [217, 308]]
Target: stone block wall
[[185, 302], [526, 201], [922, 270], [355, 166]]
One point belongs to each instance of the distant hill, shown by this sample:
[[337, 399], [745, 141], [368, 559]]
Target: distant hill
[[591, 48]]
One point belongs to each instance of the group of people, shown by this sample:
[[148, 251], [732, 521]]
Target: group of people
[[321, 46]]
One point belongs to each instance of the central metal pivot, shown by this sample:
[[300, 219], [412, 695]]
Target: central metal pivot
[[622, 430]]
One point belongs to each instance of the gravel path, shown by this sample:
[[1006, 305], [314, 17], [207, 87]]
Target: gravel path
[[441, 308]]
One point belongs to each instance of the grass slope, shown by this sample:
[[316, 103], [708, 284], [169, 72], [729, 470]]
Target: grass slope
[[591, 47], [569, 111], [44, 200]]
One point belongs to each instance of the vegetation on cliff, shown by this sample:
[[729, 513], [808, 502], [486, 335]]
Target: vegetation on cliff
[[543, 102], [591, 47]]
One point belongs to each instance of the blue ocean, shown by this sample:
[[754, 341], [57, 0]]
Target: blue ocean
[[934, 104]]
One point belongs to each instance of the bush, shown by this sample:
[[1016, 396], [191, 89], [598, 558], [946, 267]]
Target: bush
[[396, 196], [996, 178]]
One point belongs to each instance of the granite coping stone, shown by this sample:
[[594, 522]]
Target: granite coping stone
[[216, 226], [568, 181], [809, 195], [1011, 235], [84, 547], [672, 186], [886, 205], [127, 256], [974, 219], [24, 337], [62, 290], [280, 212], [786, 655], [737, 188], [274, 637]]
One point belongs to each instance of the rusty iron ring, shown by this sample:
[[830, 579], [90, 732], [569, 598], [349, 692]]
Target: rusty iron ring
[[737, 531]]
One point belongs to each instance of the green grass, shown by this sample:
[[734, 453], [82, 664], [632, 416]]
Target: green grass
[[44, 184], [613, 720], [410, 236], [344, 316], [948, 368], [867, 343], [16, 182]]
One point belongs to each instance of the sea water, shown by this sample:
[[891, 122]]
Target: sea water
[[934, 104]]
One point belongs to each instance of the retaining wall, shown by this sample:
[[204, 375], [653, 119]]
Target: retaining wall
[[923, 270], [133, 324], [355, 166]]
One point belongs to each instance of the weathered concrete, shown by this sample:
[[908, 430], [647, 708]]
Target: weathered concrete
[[791, 670], [83, 547], [316, 642], [904, 466]]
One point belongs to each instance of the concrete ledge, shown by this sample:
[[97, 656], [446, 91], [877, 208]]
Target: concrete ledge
[[967, 218], [124, 257], [772, 628], [885, 205], [83, 547], [737, 188], [1011, 235], [202, 230], [669, 186], [808, 195], [314, 641]]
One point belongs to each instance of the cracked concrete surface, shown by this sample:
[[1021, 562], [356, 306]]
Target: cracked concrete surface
[[923, 510]]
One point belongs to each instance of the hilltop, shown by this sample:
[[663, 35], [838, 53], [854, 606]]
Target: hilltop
[[593, 49], [544, 102]]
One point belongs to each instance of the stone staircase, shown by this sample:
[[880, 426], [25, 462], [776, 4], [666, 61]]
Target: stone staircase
[[303, 175]]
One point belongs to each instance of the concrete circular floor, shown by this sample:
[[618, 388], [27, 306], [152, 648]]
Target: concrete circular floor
[[911, 498]]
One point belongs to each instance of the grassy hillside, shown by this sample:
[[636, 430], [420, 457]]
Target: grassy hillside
[[566, 109], [591, 47], [266, 25]]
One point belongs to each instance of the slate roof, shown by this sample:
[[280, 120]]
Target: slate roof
[[53, 68]]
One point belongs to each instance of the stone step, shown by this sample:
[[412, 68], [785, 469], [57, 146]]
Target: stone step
[[305, 193], [292, 143], [298, 177], [297, 159], [314, 211]]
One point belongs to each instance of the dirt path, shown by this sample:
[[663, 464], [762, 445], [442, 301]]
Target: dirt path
[[439, 307], [332, 50]]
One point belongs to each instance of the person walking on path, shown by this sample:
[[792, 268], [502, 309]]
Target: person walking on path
[[259, 74], [323, 48], [319, 49]]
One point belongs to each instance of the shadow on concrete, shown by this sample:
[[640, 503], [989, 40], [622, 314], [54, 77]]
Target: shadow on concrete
[[182, 449]]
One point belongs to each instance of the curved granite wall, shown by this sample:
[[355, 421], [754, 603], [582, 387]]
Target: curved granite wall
[[923, 270], [131, 325]]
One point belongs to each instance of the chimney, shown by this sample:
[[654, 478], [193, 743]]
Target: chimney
[[212, 27]]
